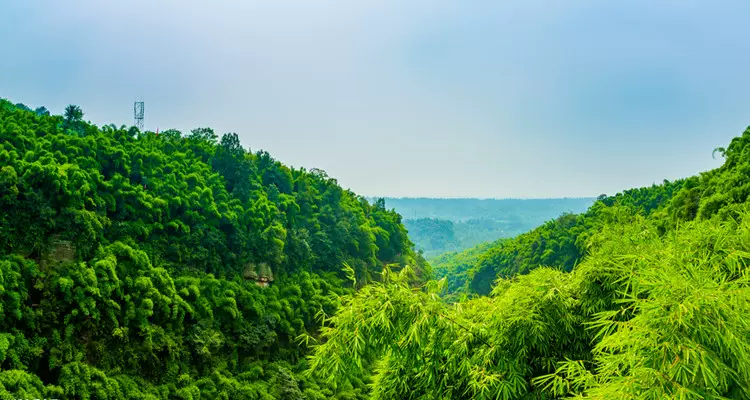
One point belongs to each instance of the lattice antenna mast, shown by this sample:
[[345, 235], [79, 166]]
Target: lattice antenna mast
[[138, 114]]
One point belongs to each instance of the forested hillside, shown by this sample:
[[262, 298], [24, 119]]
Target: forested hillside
[[443, 225], [136, 265], [722, 192], [143, 266], [561, 242], [644, 296]]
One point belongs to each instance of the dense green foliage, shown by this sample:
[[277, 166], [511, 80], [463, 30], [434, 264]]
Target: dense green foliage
[[438, 226], [131, 263], [646, 296], [644, 316], [455, 267], [135, 265], [722, 192], [561, 242]]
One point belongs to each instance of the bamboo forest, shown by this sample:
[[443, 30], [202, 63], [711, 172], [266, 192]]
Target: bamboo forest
[[374, 200], [181, 266]]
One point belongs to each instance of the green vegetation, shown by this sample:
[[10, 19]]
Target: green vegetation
[[644, 316], [438, 226], [455, 267], [561, 242], [170, 266], [134, 265], [644, 296]]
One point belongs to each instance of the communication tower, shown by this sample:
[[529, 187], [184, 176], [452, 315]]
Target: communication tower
[[138, 114]]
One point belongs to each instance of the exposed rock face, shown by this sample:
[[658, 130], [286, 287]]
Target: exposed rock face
[[63, 250], [261, 274], [250, 271], [60, 251]]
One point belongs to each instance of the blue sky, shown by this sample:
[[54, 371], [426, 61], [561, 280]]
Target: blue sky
[[409, 98]]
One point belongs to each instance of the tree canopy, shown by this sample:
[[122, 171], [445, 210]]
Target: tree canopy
[[183, 266], [170, 266], [644, 296]]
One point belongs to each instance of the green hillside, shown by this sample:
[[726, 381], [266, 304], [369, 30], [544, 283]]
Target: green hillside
[[644, 296], [722, 192], [561, 242], [136, 265]]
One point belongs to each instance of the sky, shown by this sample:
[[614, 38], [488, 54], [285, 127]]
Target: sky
[[416, 98]]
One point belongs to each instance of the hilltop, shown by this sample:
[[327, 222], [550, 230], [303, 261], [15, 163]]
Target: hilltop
[[646, 295], [136, 265]]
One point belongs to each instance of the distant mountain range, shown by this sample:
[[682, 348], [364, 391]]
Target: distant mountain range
[[438, 225]]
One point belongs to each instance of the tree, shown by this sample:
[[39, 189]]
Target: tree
[[204, 134], [73, 114], [645, 316], [22, 107], [73, 118], [122, 259]]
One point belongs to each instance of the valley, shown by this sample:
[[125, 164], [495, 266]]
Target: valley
[[183, 266], [437, 226]]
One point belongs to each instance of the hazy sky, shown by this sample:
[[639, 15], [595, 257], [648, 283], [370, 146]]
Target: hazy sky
[[408, 97]]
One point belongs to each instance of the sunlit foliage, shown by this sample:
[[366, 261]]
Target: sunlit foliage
[[131, 263], [143, 266], [644, 316], [645, 296]]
